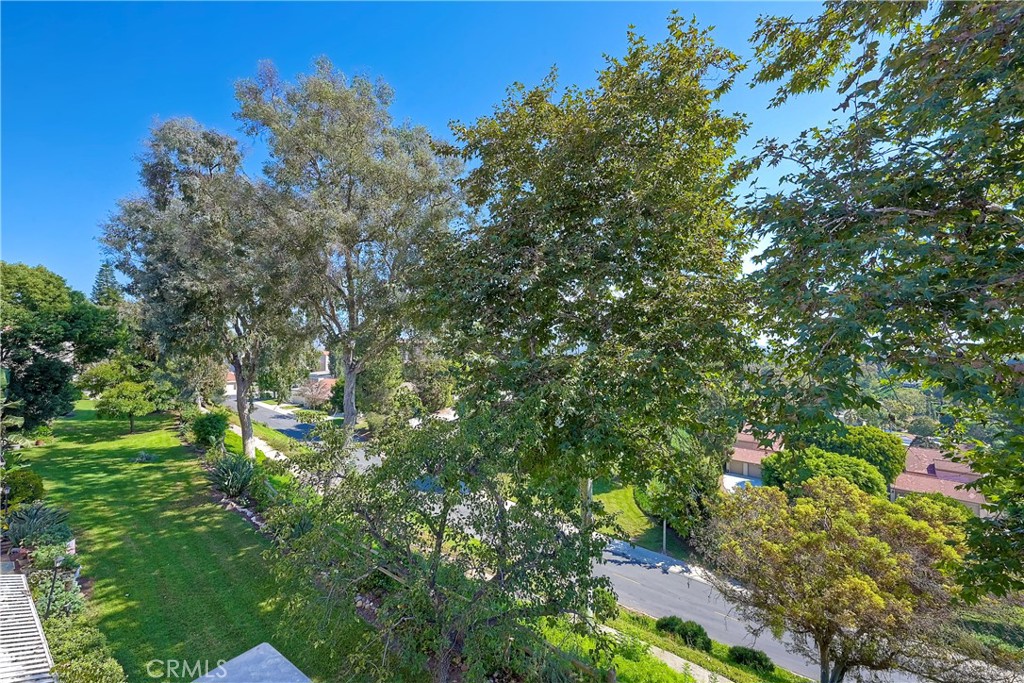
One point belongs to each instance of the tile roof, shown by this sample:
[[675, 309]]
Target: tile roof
[[913, 482], [747, 449]]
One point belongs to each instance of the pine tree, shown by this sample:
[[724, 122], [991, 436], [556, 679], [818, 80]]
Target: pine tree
[[105, 290]]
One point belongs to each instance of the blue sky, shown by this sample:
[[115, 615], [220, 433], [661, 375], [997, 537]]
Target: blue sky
[[83, 82]]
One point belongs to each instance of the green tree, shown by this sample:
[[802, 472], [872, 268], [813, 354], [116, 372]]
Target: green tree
[[434, 380], [372, 195], [378, 382], [857, 582], [790, 469], [598, 294], [106, 291], [884, 451], [127, 399], [895, 235], [456, 570], [49, 331], [201, 251]]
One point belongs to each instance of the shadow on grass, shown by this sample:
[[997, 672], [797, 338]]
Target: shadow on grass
[[176, 576]]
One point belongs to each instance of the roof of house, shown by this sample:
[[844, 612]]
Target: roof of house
[[914, 482], [229, 376], [24, 654], [929, 470], [747, 449]]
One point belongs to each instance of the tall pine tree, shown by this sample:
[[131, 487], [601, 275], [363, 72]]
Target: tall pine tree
[[105, 289]]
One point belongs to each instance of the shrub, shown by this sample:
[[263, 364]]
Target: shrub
[[67, 597], [80, 652], [690, 632], [755, 659], [41, 432], [26, 486], [209, 429], [231, 474], [26, 524]]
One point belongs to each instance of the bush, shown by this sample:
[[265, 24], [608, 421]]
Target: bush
[[755, 659], [28, 524], [690, 632], [40, 432], [209, 429], [26, 486], [80, 652], [67, 597], [231, 474]]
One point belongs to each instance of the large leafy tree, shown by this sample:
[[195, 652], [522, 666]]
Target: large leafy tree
[[597, 299], [885, 452], [789, 469], [451, 544], [372, 195], [202, 253], [895, 236], [862, 585], [49, 331]]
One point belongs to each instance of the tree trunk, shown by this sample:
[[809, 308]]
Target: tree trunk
[[349, 405], [243, 387], [823, 659], [131, 424], [586, 517], [664, 536]]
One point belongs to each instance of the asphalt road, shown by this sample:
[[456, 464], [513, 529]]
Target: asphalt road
[[644, 586]]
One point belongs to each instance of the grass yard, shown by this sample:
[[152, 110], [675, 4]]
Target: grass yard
[[636, 526], [175, 576]]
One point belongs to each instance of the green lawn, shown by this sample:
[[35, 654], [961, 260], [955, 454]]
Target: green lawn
[[717, 661], [176, 576], [636, 526]]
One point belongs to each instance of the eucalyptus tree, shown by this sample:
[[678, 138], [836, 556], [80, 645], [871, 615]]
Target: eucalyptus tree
[[896, 236], [597, 298], [201, 252], [372, 194]]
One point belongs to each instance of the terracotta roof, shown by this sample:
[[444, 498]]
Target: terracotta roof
[[913, 482], [747, 449], [229, 376]]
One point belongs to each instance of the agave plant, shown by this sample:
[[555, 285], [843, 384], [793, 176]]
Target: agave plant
[[29, 523], [231, 474]]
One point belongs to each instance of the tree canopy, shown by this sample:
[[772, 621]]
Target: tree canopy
[[885, 452], [790, 469], [894, 236], [49, 332], [372, 195], [596, 296], [201, 253], [860, 583]]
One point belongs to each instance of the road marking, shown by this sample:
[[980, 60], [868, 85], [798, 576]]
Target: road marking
[[623, 576], [727, 616]]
